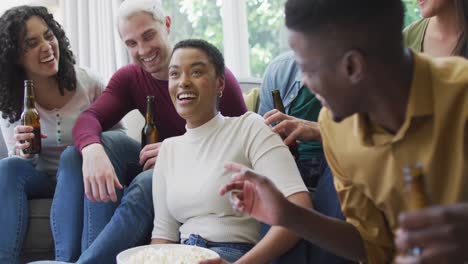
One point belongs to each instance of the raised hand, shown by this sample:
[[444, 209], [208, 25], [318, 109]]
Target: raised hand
[[255, 195], [292, 128]]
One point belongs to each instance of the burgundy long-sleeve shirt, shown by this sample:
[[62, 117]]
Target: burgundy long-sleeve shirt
[[127, 90]]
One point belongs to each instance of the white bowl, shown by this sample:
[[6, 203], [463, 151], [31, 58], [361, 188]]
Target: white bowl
[[123, 257]]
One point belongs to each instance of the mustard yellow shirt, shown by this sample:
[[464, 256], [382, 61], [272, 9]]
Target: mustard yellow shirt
[[367, 161]]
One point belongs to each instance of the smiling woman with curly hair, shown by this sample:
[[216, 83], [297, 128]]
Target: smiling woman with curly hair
[[12, 71], [33, 46]]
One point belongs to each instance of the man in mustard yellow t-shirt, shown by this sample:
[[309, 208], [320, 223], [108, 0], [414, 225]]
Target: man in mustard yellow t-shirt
[[386, 107]]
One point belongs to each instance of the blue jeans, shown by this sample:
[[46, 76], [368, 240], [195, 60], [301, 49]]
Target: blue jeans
[[19, 181], [230, 252], [312, 170], [97, 230]]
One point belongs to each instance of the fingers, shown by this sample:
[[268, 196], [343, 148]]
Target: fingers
[[291, 138], [22, 134], [434, 216], [243, 174], [270, 113], [111, 189], [23, 129], [43, 135], [237, 185], [153, 146], [150, 151], [437, 255], [94, 191], [22, 146], [117, 183], [149, 164], [102, 187], [284, 127], [426, 237], [275, 116], [235, 167], [88, 189]]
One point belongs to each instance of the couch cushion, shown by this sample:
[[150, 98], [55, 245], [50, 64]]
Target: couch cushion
[[39, 239], [251, 99]]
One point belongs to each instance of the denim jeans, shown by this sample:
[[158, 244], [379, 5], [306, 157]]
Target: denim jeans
[[230, 252], [19, 181], [98, 231], [311, 170], [130, 226]]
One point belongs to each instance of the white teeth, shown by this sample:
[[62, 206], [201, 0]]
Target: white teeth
[[48, 59], [186, 96], [149, 59]]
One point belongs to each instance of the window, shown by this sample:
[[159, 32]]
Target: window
[[196, 19], [267, 33], [412, 12]]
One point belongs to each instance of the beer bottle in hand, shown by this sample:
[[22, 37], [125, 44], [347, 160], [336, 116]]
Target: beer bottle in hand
[[278, 104], [149, 133], [30, 117], [415, 193]]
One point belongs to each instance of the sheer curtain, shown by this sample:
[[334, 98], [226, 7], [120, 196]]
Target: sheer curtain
[[90, 26]]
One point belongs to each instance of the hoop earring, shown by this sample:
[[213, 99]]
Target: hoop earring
[[220, 94]]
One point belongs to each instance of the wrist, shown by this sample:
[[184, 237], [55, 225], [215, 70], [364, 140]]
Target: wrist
[[287, 215], [92, 148]]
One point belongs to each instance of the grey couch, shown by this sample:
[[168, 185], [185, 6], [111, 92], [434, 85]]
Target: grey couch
[[38, 243]]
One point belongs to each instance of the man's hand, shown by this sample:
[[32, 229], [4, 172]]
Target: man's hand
[[99, 176], [255, 195], [441, 232], [292, 128], [21, 135], [149, 155]]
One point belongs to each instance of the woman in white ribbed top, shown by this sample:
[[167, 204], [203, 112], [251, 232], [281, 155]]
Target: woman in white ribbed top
[[35, 47], [190, 168]]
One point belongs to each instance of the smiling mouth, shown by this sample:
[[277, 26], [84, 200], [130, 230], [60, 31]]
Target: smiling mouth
[[150, 59], [48, 59], [186, 96]]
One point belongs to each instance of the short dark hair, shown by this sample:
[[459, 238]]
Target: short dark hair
[[12, 74], [213, 53], [375, 24]]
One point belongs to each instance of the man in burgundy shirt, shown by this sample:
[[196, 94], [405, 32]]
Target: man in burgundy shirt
[[101, 169]]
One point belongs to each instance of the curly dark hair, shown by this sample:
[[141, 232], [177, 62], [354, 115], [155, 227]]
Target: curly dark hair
[[12, 74]]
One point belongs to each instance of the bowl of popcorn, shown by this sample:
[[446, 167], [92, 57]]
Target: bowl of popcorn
[[165, 254]]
